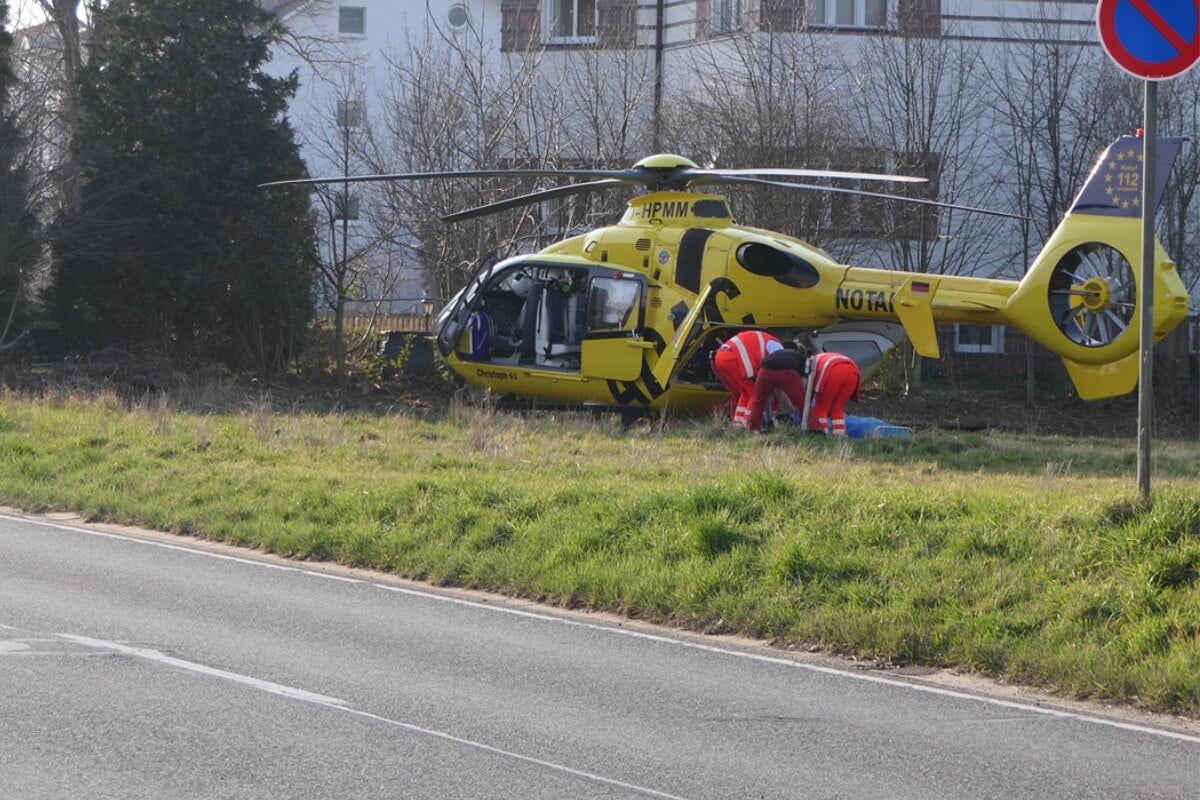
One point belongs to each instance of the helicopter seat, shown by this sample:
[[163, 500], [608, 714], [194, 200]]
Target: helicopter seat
[[555, 346], [502, 309], [524, 336]]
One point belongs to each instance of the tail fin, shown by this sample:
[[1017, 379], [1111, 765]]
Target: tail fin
[[1097, 381], [1080, 297]]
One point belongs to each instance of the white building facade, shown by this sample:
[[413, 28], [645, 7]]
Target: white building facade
[[344, 55], [996, 101]]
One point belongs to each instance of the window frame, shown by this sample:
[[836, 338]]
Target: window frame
[[549, 15], [994, 347], [362, 13], [726, 16], [458, 8], [627, 315], [861, 12], [865, 216], [912, 221]]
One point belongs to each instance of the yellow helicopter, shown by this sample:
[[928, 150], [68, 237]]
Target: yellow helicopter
[[624, 316]]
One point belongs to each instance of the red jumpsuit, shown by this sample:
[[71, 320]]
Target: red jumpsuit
[[779, 371], [836, 380], [736, 363]]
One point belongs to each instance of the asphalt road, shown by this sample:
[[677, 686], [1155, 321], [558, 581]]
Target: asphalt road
[[135, 665]]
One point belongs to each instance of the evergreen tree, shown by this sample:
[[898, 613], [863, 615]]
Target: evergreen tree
[[20, 241], [173, 250]]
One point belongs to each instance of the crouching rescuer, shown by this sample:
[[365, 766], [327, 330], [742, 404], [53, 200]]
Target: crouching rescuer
[[828, 380], [736, 364]]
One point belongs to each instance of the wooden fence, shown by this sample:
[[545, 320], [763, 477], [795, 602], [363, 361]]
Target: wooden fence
[[420, 323]]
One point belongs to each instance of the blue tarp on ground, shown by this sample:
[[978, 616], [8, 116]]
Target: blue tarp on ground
[[864, 427]]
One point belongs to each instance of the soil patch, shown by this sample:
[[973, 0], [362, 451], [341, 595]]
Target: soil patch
[[1114, 417], [429, 393]]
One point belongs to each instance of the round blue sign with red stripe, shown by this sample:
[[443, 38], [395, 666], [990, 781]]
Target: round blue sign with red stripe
[[1152, 39]]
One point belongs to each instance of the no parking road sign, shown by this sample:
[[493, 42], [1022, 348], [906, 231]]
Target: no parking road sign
[[1151, 39]]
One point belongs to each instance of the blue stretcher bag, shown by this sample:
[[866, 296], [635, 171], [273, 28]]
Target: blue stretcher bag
[[479, 328], [863, 427]]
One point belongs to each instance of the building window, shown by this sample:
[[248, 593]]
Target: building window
[[458, 18], [352, 20], [848, 13], [346, 206], [979, 339], [350, 114], [850, 215], [919, 17], [782, 16], [570, 21], [726, 16], [915, 221]]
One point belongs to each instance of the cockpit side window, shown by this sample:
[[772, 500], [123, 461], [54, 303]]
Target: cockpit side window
[[612, 304]]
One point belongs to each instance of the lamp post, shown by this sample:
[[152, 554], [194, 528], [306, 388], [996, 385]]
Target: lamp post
[[660, 14]]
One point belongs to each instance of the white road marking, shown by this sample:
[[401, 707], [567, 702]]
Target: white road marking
[[786, 662], [212, 672], [177, 547], [590, 776], [777, 660], [336, 704]]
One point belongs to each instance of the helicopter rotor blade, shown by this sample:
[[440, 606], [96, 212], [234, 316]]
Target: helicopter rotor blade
[[531, 198], [657, 173], [662, 172], [863, 193], [719, 175], [631, 176]]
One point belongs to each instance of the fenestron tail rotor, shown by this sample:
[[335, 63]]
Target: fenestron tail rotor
[[1093, 295]]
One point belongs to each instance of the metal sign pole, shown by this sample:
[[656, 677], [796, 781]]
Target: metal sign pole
[[1153, 40], [1146, 295]]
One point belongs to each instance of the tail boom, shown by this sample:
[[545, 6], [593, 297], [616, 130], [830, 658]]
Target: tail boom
[[1081, 298]]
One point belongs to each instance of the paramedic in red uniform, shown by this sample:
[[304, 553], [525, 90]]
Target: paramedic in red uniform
[[736, 362], [836, 379], [782, 370]]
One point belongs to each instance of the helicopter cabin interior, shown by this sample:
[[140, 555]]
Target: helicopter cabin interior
[[541, 315]]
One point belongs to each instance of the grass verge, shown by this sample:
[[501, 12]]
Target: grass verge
[[1021, 558]]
